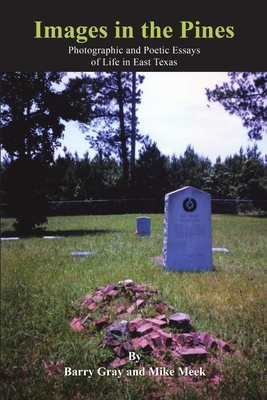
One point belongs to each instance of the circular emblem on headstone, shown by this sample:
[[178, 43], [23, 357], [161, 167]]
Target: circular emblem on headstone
[[189, 204]]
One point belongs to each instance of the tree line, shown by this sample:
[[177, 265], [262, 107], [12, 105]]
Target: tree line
[[36, 105], [70, 177]]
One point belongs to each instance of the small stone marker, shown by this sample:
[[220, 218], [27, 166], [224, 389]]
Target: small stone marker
[[143, 225], [187, 242], [9, 238], [220, 249], [83, 253], [52, 237]]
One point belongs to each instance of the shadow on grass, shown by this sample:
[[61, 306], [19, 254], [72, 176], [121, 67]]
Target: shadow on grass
[[66, 233]]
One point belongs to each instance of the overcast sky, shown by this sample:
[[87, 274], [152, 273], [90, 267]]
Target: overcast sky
[[175, 112]]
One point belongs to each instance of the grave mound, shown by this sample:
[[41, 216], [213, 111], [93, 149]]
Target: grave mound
[[135, 319]]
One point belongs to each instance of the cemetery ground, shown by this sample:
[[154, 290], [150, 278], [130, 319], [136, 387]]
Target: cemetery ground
[[41, 283]]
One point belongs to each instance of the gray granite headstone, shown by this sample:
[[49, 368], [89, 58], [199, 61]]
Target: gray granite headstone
[[143, 226], [187, 242]]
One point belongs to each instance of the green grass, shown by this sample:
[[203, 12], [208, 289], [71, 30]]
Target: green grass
[[41, 282]]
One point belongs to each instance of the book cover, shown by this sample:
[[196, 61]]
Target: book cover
[[107, 111]]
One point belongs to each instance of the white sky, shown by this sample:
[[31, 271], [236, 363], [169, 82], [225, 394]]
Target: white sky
[[174, 113]]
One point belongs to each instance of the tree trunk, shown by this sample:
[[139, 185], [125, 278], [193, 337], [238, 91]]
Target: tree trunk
[[124, 155], [133, 131]]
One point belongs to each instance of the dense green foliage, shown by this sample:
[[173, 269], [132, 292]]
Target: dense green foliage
[[246, 96], [32, 113], [241, 176]]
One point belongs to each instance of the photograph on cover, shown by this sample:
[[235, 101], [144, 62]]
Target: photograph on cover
[[133, 235]]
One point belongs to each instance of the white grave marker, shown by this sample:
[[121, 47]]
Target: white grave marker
[[9, 238], [143, 225], [83, 253], [187, 242]]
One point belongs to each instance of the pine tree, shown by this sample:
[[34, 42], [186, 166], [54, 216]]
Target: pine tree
[[31, 129]]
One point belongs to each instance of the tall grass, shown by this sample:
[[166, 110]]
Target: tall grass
[[41, 282]]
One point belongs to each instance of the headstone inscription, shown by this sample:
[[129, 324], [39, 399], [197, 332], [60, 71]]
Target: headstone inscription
[[143, 226], [187, 244]]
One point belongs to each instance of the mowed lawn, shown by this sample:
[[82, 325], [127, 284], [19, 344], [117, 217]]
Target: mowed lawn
[[41, 281]]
